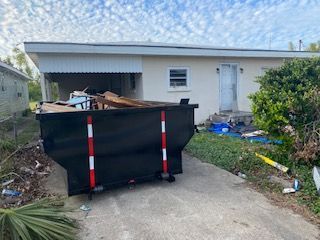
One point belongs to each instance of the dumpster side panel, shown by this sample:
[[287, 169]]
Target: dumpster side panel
[[65, 141], [180, 128], [127, 146]]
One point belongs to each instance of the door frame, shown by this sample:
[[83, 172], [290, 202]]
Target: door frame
[[234, 108]]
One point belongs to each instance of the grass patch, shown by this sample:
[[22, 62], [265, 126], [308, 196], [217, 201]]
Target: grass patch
[[236, 155], [30, 131]]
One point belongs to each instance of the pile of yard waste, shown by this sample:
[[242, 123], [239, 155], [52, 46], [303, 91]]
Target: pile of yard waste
[[86, 100], [22, 177]]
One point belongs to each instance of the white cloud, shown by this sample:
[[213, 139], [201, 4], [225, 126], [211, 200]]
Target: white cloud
[[247, 24]]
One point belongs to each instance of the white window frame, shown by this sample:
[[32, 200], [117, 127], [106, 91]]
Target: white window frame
[[179, 88]]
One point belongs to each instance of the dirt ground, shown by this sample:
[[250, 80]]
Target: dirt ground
[[25, 172]]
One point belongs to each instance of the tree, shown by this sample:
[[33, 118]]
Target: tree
[[287, 106], [314, 47], [291, 46]]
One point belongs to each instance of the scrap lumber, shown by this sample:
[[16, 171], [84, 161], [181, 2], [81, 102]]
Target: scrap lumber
[[108, 102], [51, 107], [128, 102]]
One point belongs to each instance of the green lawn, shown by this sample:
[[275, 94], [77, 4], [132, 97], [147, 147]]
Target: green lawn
[[235, 155]]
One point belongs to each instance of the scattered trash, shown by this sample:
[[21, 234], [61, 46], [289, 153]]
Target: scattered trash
[[27, 170], [223, 128], [26, 180], [296, 184], [288, 190], [85, 208], [254, 134], [316, 177], [6, 183], [38, 165], [242, 175], [11, 193], [284, 183], [273, 163]]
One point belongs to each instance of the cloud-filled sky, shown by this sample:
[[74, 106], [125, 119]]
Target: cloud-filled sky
[[225, 23]]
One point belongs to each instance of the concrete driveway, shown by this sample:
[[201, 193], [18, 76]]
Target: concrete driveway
[[204, 203]]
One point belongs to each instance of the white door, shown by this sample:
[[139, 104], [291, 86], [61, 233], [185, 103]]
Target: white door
[[228, 87]]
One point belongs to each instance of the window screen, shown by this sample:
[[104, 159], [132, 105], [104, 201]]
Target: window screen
[[178, 77]]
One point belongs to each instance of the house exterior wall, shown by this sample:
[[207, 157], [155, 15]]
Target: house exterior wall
[[204, 80], [14, 95]]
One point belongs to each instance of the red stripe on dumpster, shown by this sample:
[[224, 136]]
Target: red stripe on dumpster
[[164, 142], [92, 177]]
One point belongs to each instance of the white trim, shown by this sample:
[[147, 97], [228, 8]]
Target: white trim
[[180, 88], [145, 48]]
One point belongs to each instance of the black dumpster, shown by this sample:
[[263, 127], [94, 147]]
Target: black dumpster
[[101, 149]]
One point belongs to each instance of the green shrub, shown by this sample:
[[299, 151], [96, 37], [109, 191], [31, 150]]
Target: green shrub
[[287, 106]]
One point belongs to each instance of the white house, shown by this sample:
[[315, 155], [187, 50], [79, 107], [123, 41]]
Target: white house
[[14, 95], [218, 79]]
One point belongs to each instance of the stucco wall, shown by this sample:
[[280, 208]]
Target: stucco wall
[[10, 101], [204, 85]]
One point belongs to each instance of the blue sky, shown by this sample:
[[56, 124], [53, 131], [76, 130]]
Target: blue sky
[[229, 23]]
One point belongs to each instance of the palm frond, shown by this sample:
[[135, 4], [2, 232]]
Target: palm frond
[[39, 220]]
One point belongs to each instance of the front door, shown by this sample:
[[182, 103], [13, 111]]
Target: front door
[[228, 87]]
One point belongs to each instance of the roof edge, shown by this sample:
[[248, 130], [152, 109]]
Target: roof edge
[[15, 70]]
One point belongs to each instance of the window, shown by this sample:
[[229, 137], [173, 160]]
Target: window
[[179, 78]]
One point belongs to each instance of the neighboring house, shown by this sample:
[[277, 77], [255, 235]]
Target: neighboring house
[[14, 95], [218, 79]]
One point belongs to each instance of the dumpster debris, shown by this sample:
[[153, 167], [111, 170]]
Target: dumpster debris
[[316, 177], [273, 163], [288, 190], [81, 100], [10, 193]]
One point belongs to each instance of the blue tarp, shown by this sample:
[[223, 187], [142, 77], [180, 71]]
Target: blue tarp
[[217, 128]]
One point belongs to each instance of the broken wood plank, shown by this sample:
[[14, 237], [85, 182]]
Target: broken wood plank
[[51, 107], [108, 102]]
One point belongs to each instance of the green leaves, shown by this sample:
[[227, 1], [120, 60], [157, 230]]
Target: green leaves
[[40, 220], [288, 96]]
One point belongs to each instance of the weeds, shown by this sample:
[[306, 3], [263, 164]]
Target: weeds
[[236, 155]]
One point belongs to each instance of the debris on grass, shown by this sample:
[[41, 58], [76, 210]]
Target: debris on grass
[[316, 177], [28, 180], [273, 163], [288, 190]]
